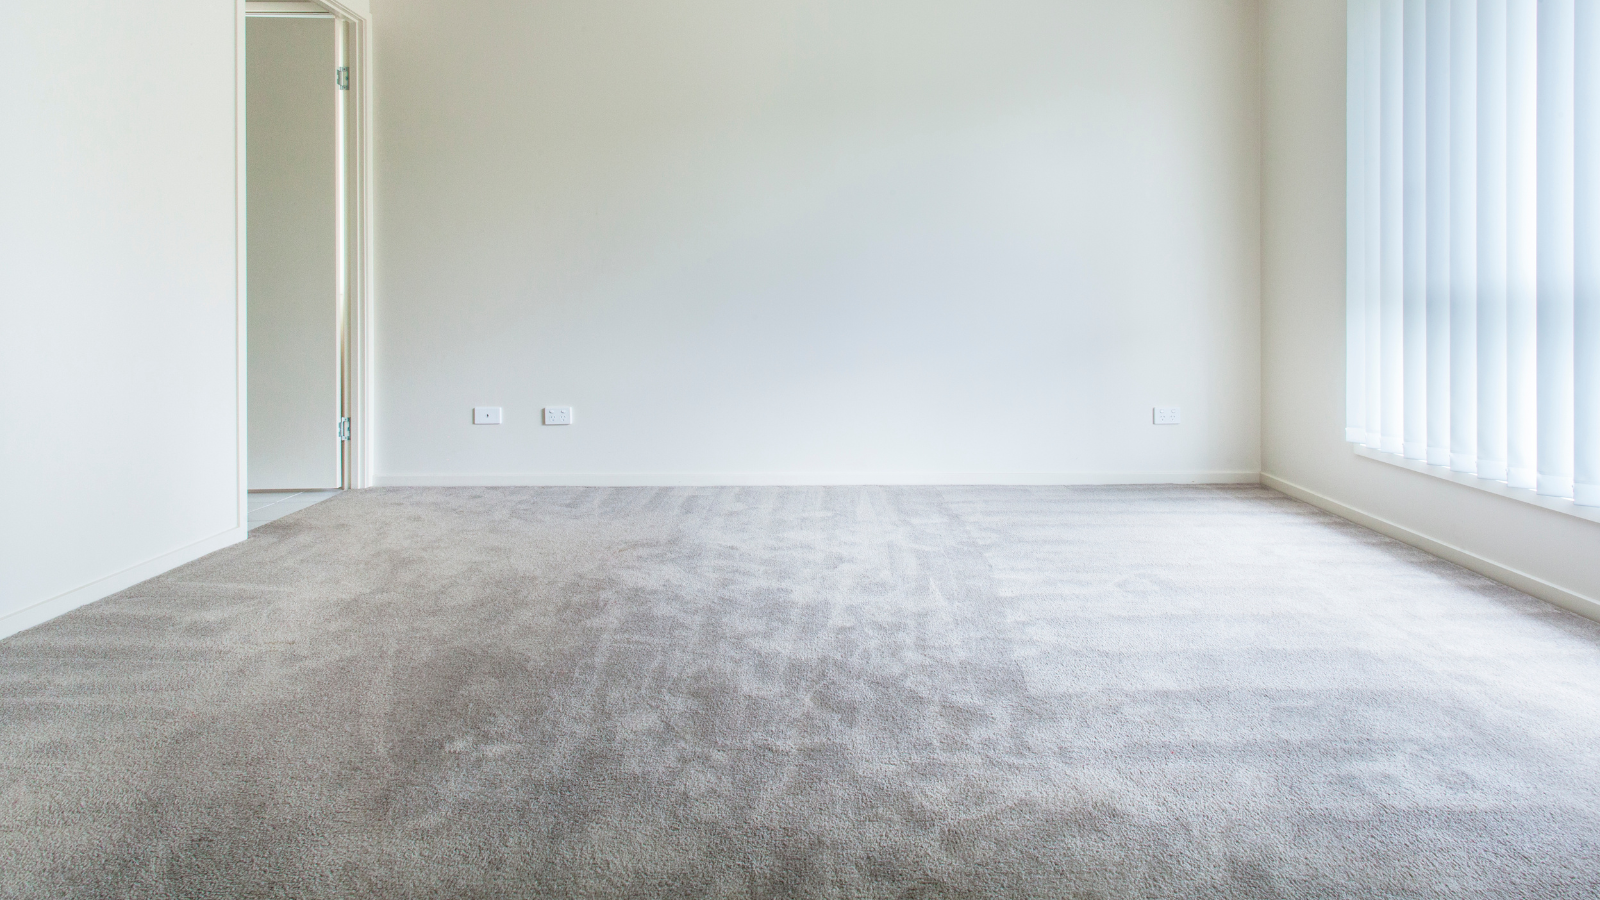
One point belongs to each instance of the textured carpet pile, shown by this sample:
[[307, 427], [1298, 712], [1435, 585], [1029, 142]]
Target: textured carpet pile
[[805, 692]]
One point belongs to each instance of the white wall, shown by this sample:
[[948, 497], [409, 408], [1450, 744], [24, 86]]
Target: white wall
[[818, 240], [119, 414], [1541, 551], [292, 124]]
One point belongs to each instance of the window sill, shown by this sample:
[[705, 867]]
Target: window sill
[[1558, 504]]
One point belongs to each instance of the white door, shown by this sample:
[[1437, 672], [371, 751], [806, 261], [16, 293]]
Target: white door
[[291, 122]]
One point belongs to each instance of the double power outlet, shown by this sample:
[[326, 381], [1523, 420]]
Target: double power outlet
[[492, 415]]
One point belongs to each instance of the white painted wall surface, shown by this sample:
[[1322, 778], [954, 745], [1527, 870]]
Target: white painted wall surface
[[119, 353], [818, 240], [292, 128], [1303, 338]]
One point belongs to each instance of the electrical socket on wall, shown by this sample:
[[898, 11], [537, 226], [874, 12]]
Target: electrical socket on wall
[[486, 415], [558, 415], [1167, 415]]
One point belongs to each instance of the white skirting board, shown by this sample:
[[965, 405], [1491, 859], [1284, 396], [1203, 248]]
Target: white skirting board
[[807, 479], [43, 611], [1571, 601]]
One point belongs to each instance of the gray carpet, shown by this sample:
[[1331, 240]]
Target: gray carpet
[[805, 692]]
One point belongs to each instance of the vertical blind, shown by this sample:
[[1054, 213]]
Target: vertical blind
[[1473, 215]]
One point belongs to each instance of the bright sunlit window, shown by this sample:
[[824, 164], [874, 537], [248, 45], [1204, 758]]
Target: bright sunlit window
[[1473, 276]]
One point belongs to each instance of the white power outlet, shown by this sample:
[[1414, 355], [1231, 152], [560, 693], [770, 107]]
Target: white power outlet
[[1167, 415], [558, 415], [486, 415]]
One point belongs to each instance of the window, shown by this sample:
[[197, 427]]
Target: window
[[1473, 254]]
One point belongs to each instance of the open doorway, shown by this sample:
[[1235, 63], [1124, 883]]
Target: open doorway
[[305, 240]]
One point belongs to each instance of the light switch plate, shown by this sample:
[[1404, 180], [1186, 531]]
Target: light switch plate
[[558, 415], [1167, 415], [486, 415]]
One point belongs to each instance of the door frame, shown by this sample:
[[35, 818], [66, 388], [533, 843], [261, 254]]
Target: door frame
[[357, 363]]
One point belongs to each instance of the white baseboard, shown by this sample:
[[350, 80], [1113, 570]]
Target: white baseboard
[[1571, 601], [44, 610], [804, 479]]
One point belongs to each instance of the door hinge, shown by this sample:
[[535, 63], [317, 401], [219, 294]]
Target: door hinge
[[344, 429], [341, 77]]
